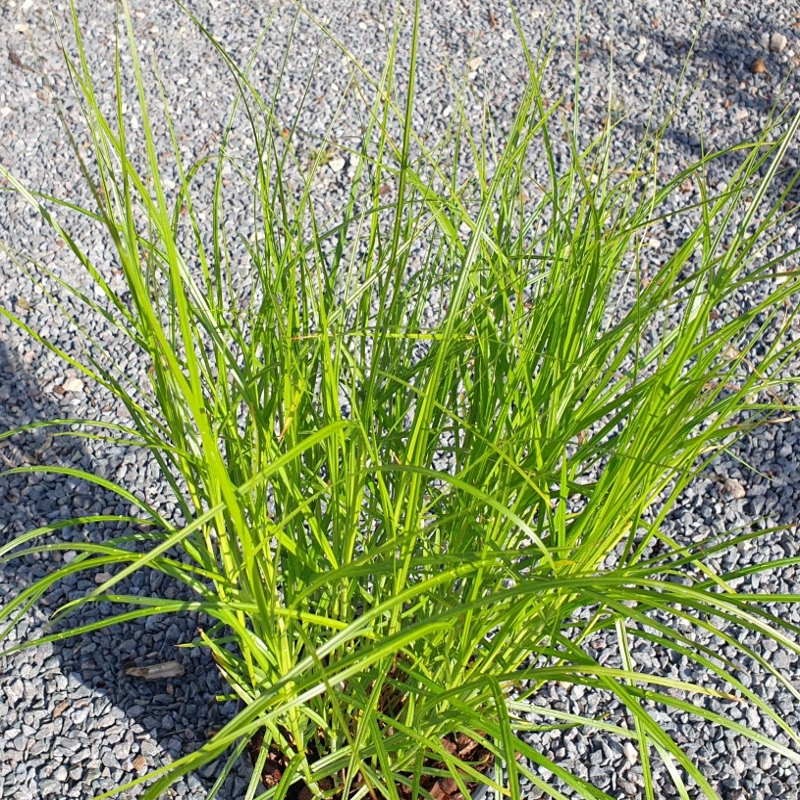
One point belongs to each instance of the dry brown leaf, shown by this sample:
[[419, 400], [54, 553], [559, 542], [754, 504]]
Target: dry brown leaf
[[449, 745], [437, 791], [154, 672]]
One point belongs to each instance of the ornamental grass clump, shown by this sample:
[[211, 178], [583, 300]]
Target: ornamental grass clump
[[429, 451]]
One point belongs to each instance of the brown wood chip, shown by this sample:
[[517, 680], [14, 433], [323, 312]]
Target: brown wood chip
[[445, 789], [449, 745]]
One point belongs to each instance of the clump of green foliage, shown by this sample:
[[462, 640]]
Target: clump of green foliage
[[302, 434]]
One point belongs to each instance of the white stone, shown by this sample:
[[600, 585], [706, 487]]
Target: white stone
[[336, 163], [73, 385], [735, 488], [777, 42]]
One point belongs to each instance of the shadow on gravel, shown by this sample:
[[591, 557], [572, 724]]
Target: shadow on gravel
[[746, 80], [736, 83], [177, 713]]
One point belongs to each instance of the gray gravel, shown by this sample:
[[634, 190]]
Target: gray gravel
[[72, 723]]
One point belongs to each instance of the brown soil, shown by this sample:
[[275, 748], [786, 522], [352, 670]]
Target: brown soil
[[440, 788]]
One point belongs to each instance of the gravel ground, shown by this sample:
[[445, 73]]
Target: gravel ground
[[72, 723]]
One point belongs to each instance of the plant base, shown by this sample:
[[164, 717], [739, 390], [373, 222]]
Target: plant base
[[439, 787]]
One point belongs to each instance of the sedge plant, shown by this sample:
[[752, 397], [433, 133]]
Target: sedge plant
[[430, 451]]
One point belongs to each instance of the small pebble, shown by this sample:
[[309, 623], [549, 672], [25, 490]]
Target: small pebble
[[777, 42], [781, 660], [735, 488], [336, 163], [73, 385], [51, 788], [140, 763], [641, 51]]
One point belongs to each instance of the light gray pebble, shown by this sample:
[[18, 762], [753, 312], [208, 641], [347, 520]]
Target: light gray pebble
[[114, 733], [121, 751], [80, 715], [91, 774], [781, 660], [106, 721], [148, 747], [70, 746], [14, 691], [777, 42], [600, 776], [38, 746], [51, 788]]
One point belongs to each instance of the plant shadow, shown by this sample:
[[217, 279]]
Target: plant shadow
[[733, 85], [125, 715]]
